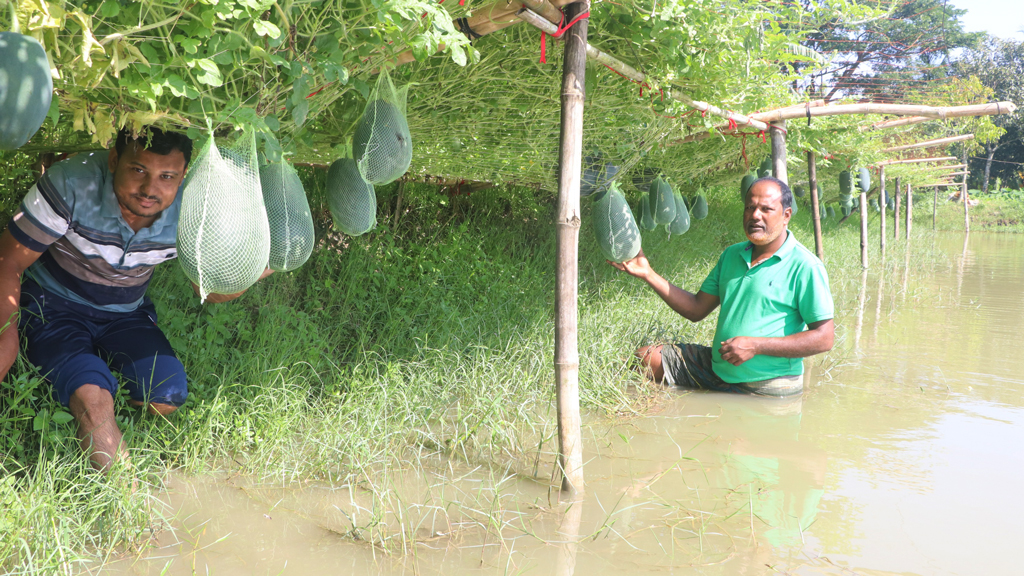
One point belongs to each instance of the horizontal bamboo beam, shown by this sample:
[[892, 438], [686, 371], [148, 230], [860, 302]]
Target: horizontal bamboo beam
[[946, 167], [905, 110], [930, 143], [778, 114], [916, 160], [895, 123], [633, 74]]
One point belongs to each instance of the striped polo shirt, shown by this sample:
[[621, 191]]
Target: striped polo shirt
[[91, 255]]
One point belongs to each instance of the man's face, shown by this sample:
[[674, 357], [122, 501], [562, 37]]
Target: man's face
[[146, 183], [764, 218]]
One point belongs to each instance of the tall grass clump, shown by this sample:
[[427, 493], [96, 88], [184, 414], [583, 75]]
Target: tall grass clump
[[433, 335]]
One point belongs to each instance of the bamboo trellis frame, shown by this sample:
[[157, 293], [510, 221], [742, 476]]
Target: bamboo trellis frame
[[930, 143], [917, 160]]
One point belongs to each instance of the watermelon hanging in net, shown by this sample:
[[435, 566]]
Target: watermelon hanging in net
[[745, 183], [799, 191], [382, 144], [830, 212], [873, 203], [845, 182], [26, 89], [646, 220], [700, 207], [663, 203], [681, 223], [614, 226], [291, 222], [864, 180], [352, 200], [766, 165], [223, 232]]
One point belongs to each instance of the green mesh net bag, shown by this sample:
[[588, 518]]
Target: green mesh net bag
[[646, 220], [614, 226], [663, 203], [352, 200], [291, 222], [864, 180], [681, 223], [845, 182], [223, 233], [382, 144]]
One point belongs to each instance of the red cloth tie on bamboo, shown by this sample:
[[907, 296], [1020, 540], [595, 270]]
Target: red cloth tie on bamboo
[[558, 34]]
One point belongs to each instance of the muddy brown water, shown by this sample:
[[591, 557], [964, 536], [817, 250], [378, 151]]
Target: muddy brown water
[[904, 456]]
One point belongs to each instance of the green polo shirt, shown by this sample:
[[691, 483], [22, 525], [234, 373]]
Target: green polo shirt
[[776, 298]]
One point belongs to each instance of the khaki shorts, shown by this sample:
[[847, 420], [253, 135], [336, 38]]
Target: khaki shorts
[[689, 366]]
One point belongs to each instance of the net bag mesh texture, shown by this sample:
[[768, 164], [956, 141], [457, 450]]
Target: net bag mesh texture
[[681, 223], [352, 200], [614, 226], [597, 174], [291, 222], [663, 203], [642, 179], [382, 144], [223, 233], [646, 220]]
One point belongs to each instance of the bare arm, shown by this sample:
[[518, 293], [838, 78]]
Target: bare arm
[[15, 257], [219, 298], [693, 307], [819, 337]]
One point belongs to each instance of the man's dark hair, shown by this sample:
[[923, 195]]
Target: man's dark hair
[[156, 141], [787, 194]]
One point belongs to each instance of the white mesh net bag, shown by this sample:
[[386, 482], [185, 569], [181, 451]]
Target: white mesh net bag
[[352, 200], [223, 233], [291, 222], [382, 144]]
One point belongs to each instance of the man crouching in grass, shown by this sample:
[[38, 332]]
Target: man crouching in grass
[[776, 307]]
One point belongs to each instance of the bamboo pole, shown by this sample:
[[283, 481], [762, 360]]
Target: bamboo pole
[[935, 206], [863, 232], [882, 204], [778, 134], [896, 212], [903, 110], [930, 143], [634, 74], [905, 121], [910, 210], [570, 159], [778, 113], [967, 216], [812, 177], [953, 174], [916, 160], [946, 167]]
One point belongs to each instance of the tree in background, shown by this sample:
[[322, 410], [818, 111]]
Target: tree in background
[[999, 65]]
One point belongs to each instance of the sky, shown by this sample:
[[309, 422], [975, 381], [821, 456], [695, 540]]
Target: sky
[[1003, 18]]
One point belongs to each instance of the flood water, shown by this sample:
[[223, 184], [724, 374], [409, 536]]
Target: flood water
[[905, 455]]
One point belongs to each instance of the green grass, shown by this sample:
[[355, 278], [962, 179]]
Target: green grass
[[432, 336], [994, 213]]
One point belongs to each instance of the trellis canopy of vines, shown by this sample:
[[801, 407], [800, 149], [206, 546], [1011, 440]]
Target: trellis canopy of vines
[[487, 109]]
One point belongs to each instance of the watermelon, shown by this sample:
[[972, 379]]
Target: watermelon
[[865, 180], [681, 223], [830, 212], [766, 165], [746, 182], [845, 182], [646, 220], [382, 144], [26, 89], [700, 207], [614, 226], [663, 203], [799, 191]]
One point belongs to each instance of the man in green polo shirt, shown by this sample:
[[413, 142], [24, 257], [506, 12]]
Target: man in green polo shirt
[[776, 307]]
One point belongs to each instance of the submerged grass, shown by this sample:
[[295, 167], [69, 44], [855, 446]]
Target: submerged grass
[[430, 338]]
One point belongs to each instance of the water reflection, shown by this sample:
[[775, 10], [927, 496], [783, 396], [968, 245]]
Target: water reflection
[[862, 297]]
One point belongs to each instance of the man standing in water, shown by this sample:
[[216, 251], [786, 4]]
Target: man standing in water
[[770, 288], [88, 235]]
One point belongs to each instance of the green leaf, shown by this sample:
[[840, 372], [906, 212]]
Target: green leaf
[[39, 422], [299, 112], [210, 72], [54, 113], [176, 84], [266, 29], [109, 9], [62, 417]]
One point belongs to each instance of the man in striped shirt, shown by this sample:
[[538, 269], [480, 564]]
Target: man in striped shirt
[[87, 236]]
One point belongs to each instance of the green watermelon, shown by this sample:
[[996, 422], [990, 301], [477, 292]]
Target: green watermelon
[[646, 220], [830, 212], [700, 207], [766, 165], [614, 226], [799, 191], [845, 182], [746, 183], [765, 174], [865, 180], [352, 200], [663, 203], [382, 144], [681, 223], [26, 89]]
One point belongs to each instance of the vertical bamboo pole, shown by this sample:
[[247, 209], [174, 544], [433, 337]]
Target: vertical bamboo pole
[[963, 194], [863, 229], [882, 203], [896, 212], [910, 209], [812, 177], [567, 357], [935, 206], [778, 133]]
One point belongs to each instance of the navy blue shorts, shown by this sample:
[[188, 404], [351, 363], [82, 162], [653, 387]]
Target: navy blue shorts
[[73, 345]]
